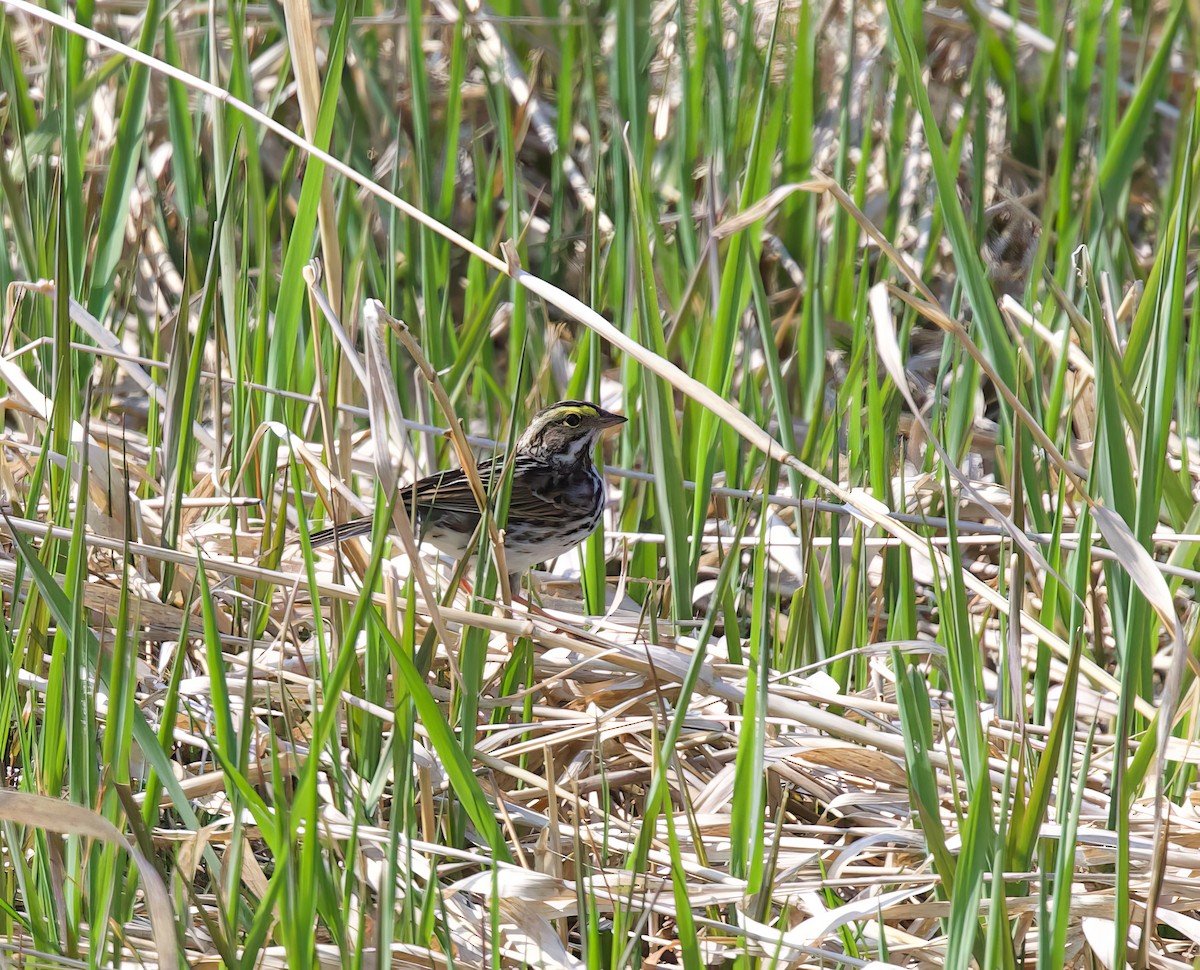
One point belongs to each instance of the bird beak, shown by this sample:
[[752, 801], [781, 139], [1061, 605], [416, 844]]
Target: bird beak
[[607, 420]]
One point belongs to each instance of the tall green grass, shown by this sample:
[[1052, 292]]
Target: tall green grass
[[901, 665]]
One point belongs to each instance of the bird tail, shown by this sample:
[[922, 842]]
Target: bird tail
[[339, 533]]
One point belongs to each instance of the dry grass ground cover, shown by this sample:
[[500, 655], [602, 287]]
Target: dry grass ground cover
[[885, 654]]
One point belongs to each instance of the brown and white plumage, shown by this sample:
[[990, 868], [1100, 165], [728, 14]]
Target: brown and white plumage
[[555, 503]]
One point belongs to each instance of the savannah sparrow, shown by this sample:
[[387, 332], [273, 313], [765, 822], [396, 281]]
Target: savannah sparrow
[[556, 500]]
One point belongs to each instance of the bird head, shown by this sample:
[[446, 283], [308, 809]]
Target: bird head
[[566, 432]]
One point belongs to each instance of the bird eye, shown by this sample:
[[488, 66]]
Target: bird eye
[[572, 420]]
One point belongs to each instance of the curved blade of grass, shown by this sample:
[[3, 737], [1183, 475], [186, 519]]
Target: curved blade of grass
[[1128, 141], [122, 170], [1024, 833], [749, 808], [733, 295], [285, 338], [61, 609], [454, 761], [662, 433], [64, 818], [964, 933]]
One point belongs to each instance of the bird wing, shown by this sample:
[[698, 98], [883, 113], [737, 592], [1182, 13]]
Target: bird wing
[[446, 497], [542, 492], [450, 491]]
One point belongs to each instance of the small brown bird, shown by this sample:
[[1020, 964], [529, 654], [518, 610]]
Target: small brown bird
[[556, 500]]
